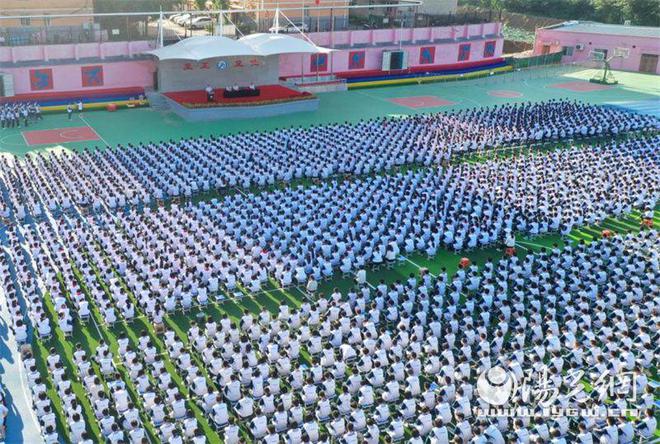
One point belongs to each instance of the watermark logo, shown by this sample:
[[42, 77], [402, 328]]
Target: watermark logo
[[496, 385], [537, 393]]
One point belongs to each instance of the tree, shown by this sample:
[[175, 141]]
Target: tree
[[643, 12], [610, 11], [639, 12], [493, 6]]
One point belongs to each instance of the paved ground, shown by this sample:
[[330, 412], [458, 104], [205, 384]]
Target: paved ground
[[21, 425], [137, 125]]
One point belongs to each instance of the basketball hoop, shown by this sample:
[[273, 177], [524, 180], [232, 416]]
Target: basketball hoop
[[604, 75]]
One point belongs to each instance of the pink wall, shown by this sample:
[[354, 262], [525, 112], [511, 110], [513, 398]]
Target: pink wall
[[636, 46], [446, 53], [393, 35], [15, 54], [138, 73]]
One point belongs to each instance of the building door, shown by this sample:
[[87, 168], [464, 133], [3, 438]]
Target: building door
[[648, 63], [545, 50]]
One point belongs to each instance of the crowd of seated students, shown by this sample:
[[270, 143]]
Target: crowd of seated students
[[380, 361], [371, 364], [13, 264], [374, 363], [523, 123], [3, 413], [165, 404], [117, 415], [134, 175], [179, 256]]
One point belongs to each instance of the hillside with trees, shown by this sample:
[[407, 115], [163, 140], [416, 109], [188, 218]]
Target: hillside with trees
[[639, 12]]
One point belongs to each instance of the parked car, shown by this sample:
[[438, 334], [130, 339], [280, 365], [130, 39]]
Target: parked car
[[199, 23], [289, 29], [174, 17], [183, 18]]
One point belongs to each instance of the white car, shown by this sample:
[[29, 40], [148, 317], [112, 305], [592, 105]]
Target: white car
[[289, 29], [199, 23], [183, 18]]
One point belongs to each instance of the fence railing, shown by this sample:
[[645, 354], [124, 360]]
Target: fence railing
[[100, 28], [535, 61]]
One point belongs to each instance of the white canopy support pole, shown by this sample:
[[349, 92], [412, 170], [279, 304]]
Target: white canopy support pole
[[276, 21], [220, 27], [401, 32], [298, 29], [160, 29], [235, 27]]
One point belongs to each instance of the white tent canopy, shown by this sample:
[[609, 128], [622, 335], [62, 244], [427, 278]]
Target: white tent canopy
[[271, 44], [207, 47], [203, 47]]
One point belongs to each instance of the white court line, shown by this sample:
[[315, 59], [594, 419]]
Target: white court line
[[6, 136], [74, 131], [418, 266], [381, 99], [95, 132], [240, 191], [26, 141], [304, 293], [518, 244], [532, 244]]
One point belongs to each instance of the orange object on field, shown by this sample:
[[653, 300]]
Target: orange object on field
[[464, 262], [510, 251], [648, 223], [606, 233], [111, 107]]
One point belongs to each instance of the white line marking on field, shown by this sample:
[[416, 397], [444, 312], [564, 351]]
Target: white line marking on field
[[95, 132]]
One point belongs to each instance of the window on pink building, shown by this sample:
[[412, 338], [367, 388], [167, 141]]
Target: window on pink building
[[489, 49], [464, 52]]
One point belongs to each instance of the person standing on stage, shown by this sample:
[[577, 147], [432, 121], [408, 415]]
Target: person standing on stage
[[209, 93]]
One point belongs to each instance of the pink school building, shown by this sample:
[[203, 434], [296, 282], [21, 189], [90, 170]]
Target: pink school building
[[637, 47], [94, 68]]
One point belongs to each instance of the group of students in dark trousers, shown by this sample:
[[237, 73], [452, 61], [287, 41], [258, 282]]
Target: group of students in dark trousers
[[15, 113], [69, 108]]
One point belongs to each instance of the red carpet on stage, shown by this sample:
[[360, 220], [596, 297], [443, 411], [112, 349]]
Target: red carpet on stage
[[268, 94]]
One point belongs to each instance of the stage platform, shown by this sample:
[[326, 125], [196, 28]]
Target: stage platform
[[273, 100]]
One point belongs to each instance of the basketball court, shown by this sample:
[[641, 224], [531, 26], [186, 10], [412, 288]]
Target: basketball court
[[59, 136], [581, 86]]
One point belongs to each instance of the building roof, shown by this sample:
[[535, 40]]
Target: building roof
[[207, 47], [607, 29]]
